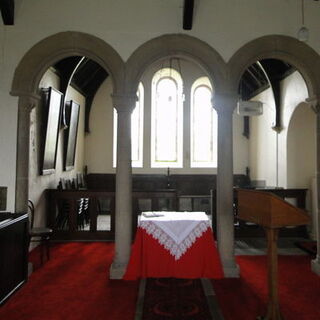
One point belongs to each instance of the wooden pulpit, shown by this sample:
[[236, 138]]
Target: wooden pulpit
[[272, 213]]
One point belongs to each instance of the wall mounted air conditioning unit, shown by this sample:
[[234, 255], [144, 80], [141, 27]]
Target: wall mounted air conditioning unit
[[250, 108]]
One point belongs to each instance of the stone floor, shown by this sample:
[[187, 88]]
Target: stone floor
[[258, 246]]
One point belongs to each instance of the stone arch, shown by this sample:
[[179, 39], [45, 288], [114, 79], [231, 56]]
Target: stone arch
[[27, 77], [175, 45], [285, 48], [210, 61], [304, 59], [56, 47], [288, 49]]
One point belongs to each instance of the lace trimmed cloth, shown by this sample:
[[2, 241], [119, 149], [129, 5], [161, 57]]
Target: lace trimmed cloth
[[175, 231]]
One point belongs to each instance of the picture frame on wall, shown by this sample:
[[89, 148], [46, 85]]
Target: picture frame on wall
[[72, 112], [51, 117]]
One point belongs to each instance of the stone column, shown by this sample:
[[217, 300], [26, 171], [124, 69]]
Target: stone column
[[26, 103], [225, 105], [315, 264], [124, 106]]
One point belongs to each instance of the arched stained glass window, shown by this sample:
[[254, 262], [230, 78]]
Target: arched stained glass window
[[203, 125], [167, 119], [136, 131]]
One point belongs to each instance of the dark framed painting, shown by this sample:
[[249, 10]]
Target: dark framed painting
[[72, 111], [51, 111]]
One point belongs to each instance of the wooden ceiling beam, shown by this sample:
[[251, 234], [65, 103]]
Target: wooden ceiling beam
[[188, 14], [7, 11]]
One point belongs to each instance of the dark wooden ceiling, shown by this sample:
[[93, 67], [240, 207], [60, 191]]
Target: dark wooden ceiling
[[261, 75], [85, 75], [7, 11], [188, 14]]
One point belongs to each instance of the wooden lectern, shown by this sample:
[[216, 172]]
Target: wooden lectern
[[272, 213]]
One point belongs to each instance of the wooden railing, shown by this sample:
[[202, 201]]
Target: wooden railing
[[90, 214], [74, 214], [160, 200]]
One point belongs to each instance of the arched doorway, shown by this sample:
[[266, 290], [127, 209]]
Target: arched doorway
[[213, 65], [26, 83], [292, 51]]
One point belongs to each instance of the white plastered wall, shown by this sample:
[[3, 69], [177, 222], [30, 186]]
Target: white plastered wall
[[39, 183], [294, 91], [8, 139], [301, 147], [263, 143], [301, 155], [225, 25], [99, 141], [240, 146], [287, 159]]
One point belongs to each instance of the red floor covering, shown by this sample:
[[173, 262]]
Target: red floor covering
[[74, 285], [246, 297]]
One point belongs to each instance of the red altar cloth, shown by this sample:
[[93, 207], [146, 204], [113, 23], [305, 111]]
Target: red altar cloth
[[149, 259]]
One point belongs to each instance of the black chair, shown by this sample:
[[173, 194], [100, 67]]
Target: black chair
[[40, 234]]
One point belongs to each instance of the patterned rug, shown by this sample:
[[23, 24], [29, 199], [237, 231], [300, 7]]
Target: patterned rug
[[175, 299]]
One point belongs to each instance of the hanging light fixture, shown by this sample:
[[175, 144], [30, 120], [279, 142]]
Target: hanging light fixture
[[303, 33], [180, 72], [172, 63]]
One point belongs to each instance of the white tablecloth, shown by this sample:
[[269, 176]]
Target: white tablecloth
[[175, 231]]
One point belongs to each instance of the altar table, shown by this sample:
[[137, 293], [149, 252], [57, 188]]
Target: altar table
[[174, 244]]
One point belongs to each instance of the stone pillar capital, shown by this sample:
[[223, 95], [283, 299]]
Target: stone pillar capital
[[124, 102], [28, 102], [225, 103], [314, 103]]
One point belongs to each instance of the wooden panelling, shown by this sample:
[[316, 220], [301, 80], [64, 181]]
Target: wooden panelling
[[13, 253], [71, 220], [185, 184], [150, 192]]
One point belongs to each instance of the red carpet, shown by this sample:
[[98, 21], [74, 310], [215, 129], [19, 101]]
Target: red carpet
[[246, 297], [74, 285]]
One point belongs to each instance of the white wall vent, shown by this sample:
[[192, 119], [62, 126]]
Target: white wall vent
[[250, 108]]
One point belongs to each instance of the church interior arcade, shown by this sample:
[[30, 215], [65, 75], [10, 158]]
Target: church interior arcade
[[173, 121]]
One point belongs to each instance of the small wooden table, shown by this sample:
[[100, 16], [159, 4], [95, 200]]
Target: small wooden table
[[174, 244]]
